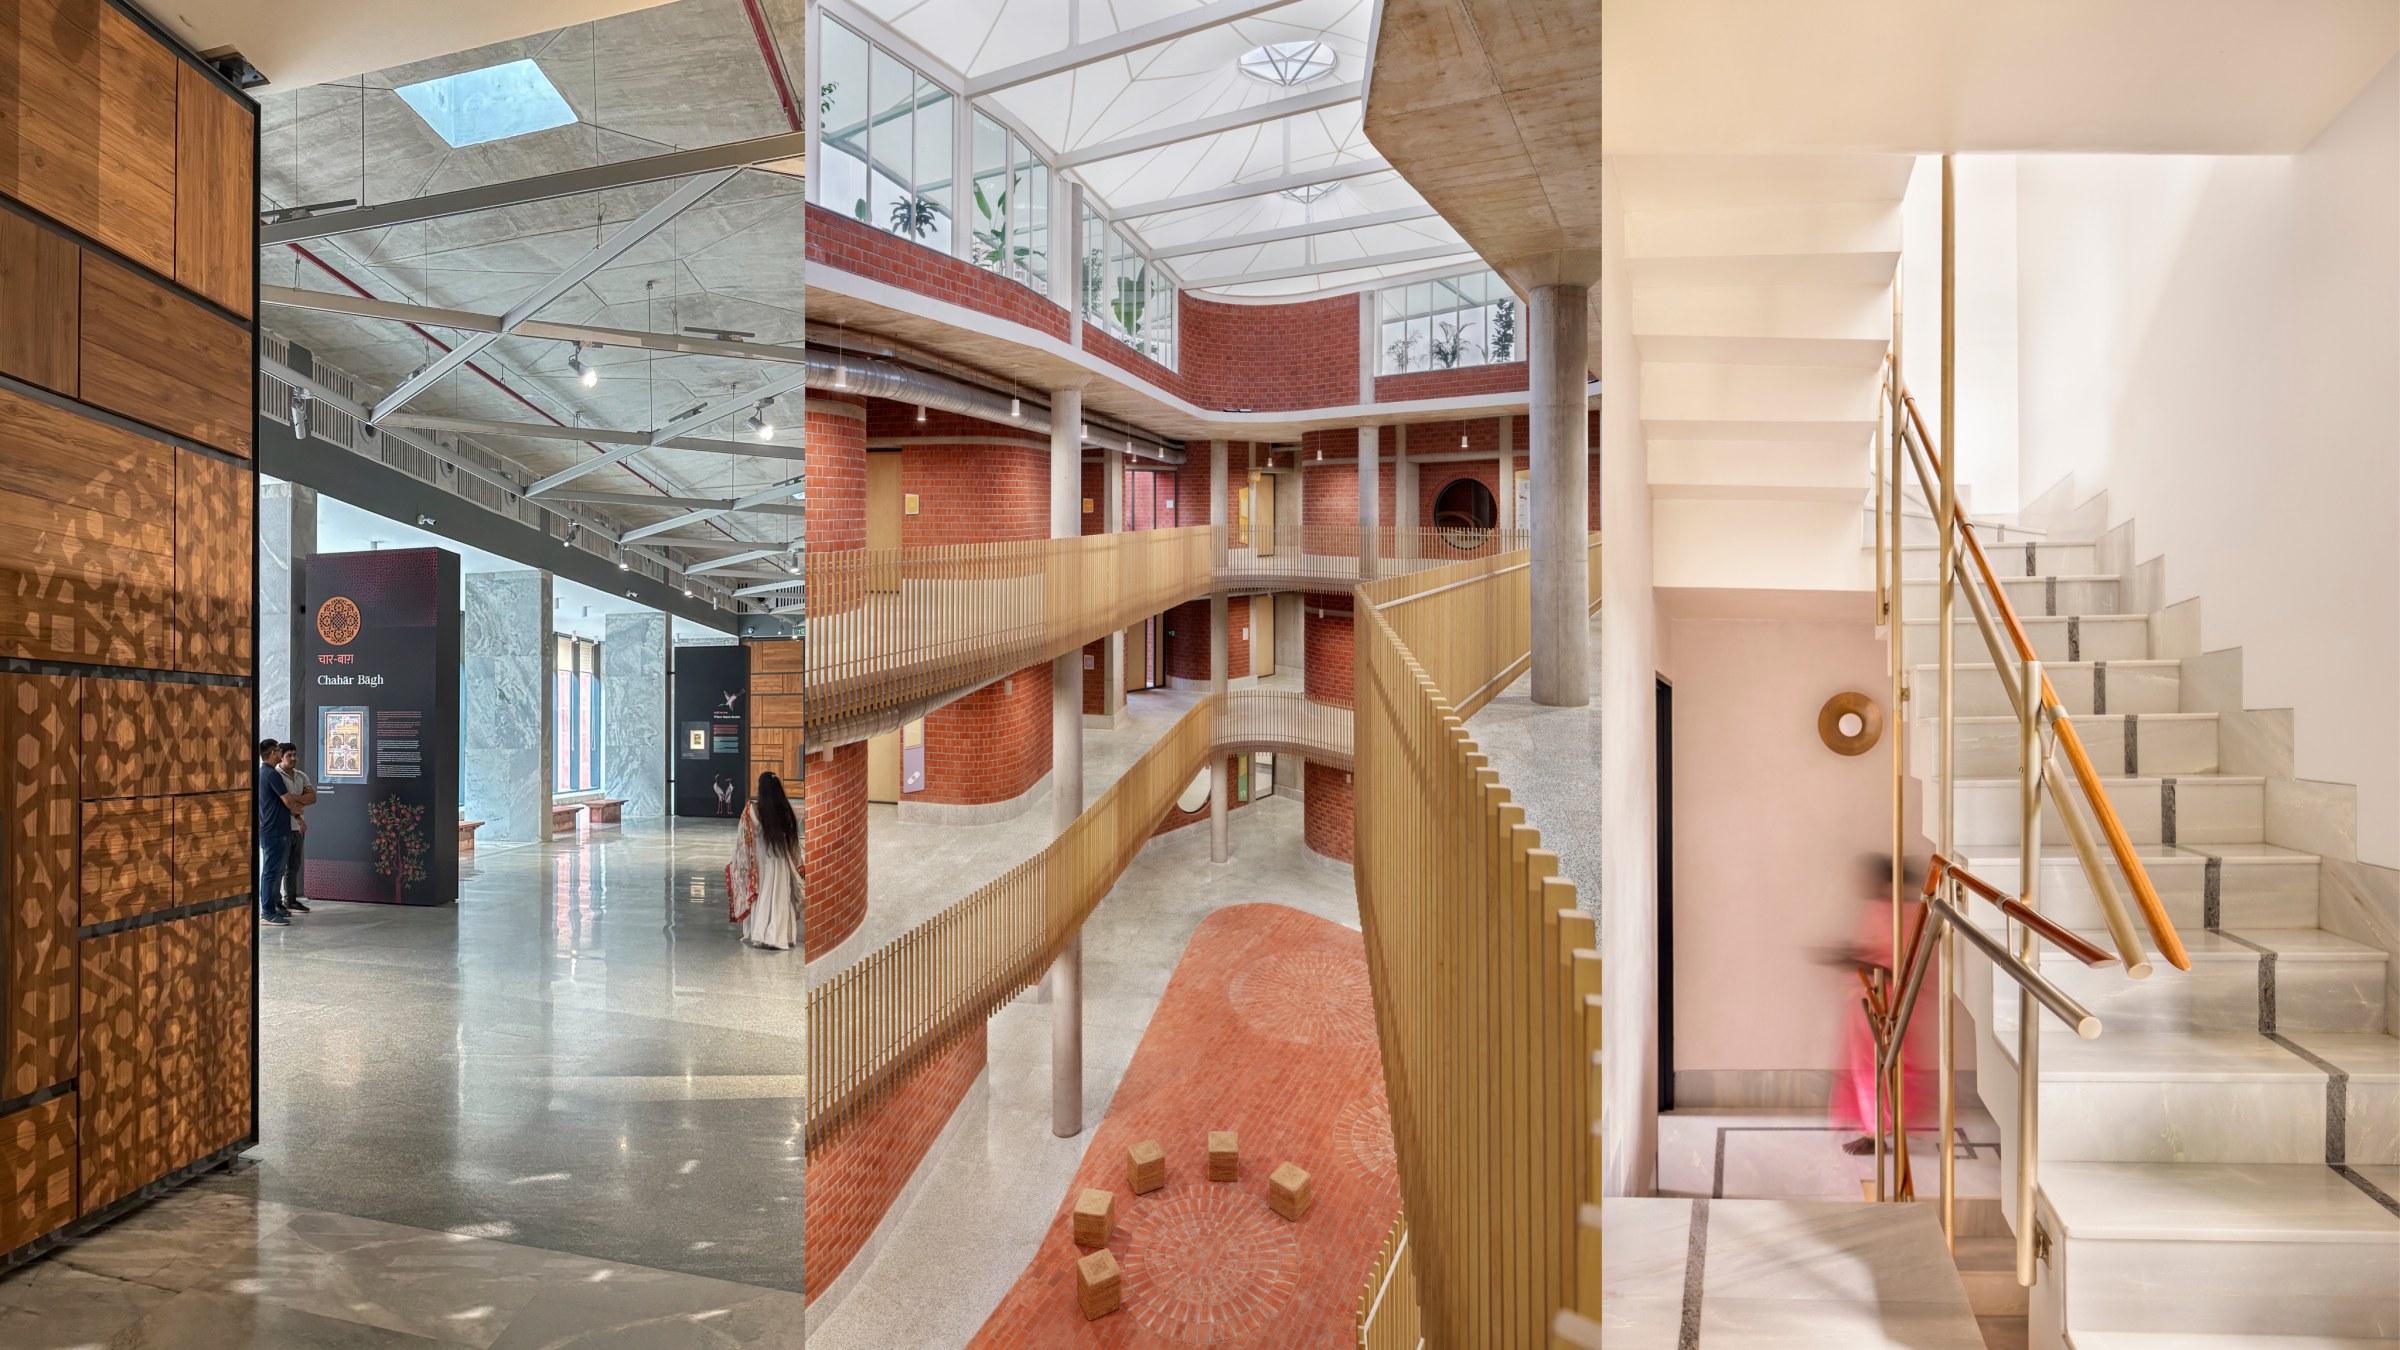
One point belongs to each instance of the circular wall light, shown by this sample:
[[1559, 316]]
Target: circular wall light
[[1850, 723]]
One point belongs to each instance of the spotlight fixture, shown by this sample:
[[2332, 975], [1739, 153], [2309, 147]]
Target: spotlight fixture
[[763, 427], [687, 592], [423, 519], [1016, 408], [920, 413], [283, 214], [1462, 440], [574, 528], [301, 398], [585, 375], [624, 564]]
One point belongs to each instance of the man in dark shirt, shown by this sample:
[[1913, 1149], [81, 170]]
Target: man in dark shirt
[[275, 808]]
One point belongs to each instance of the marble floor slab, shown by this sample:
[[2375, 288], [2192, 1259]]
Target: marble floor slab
[[1784, 1154]]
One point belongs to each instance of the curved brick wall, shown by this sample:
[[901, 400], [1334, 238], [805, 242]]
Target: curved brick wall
[[1187, 640], [835, 849], [1329, 671], [991, 746], [836, 465], [1325, 810]]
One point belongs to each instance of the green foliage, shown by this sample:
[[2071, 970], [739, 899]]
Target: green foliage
[[912, 216], [1504, 330], [399, 845]]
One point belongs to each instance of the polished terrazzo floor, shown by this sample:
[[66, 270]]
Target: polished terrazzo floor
[[568, 1106]]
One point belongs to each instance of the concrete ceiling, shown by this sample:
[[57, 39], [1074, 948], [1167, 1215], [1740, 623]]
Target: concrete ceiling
[[2132, 76], [690, 74], [303, 42]]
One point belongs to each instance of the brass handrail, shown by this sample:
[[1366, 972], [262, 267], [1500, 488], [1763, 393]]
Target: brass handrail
[[2014, 908], [2087, 779]]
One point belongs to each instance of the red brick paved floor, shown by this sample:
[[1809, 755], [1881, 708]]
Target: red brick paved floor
[[1266, 1029]]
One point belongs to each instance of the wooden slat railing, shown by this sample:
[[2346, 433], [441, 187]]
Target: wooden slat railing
[[1485, 972], [873, 1024], [1388, 1315]]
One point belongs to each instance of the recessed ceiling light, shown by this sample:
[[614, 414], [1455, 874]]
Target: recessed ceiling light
[[491, 104], [1287, 63], [1311, 194]]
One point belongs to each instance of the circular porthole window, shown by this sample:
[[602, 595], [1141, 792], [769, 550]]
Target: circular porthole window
[[1195, 797], [1466, 513], [1287, 63]]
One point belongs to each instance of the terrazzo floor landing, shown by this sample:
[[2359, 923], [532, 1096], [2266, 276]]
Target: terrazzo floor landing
[[565, 1110], [1267, 1029]]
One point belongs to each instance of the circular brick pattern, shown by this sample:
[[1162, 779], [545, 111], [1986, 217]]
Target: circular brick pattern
[[1306, 998], [1207, 1266], [1362, 1136]]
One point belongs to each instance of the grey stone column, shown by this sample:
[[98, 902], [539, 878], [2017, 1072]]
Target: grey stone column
[[1561, 447], [1370, 502], [633, 712], [1220, 661], [287, 537], [507, 702], [1217, 516], [1112, 502], [1506, 479], [1405, 511], [1066, 772]]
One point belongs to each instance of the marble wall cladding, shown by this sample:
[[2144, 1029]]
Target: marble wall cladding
[[287, 529], [2256, 742], [2313, 817], [505, 701], [2361, 902], [2175, 630], [633, 712], [2211, 681]]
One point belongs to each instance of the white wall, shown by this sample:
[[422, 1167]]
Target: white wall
[[1987, 350], [2216, 342]]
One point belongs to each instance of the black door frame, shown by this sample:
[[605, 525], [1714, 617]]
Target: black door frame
[[1666, 893]]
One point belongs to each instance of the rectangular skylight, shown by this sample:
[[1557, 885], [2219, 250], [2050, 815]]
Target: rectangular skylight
[[491, 104]]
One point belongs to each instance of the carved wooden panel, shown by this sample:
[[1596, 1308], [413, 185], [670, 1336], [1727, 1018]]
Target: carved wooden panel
[[127, 858], [86, 539], [38, 880], [172, 1091], [225, 1061], [212, 847], [37, 1171], [214, 199], [123, 754], [211, 749], [88, 104], [213, 559], [157, 358], [117, 1041], [40, 296]]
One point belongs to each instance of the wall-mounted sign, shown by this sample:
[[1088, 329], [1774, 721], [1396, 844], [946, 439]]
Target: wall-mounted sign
[[712, 693]]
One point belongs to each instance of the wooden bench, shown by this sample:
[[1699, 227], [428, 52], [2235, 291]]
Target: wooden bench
[[605, 812], [566, 819], [466, 835]]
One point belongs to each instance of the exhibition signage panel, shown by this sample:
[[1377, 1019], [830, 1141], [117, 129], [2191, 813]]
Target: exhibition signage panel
[[379, 726], [712, 689]]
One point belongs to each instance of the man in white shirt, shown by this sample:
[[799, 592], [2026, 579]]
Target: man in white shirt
[[304, 792]]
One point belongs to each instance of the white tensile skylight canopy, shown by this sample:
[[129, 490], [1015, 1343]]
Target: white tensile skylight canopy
[[1074, 75]]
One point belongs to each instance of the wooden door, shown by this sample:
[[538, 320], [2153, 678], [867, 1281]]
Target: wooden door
[[883, 499], [1262, 626], [1262, 514], [883, 767]]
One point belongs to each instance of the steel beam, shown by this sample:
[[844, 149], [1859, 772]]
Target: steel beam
[[608, 251], [776, 494], [468, 321], [639, 440], [1460, 249], [573, 182], [1254, 187], [1330, 226], [734, 560], [1274, 110], [669, 433], [1119, 44]]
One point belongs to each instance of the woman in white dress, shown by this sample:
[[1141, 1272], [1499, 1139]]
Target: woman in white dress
[[762, 883]]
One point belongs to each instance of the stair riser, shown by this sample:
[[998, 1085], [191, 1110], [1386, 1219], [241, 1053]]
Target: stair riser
[[2029, 596], [2335, 1288], [2278, 894], [2207, 811], [2221, 997], [2093, 639], [2050, 560], [2173, 746], [2194, 1121], [2134, 687]]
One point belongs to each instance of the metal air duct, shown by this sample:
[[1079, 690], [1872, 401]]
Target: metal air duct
[[846, 373]]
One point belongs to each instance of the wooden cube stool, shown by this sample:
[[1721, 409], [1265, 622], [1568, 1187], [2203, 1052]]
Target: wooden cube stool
[[1145, 1167], [1099, 1285], [1287, 1192], [1095, 1218], [1224, 1156]]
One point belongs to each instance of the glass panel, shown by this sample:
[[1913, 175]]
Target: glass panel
[[841, 179], [934, 166], [1030, 245], [989, 209], [1095, 270], [891, 141]]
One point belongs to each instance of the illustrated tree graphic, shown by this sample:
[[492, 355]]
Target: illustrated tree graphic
[[399, 843]]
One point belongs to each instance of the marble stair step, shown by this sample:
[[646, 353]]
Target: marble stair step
[[2321, 982], [2203, 1340], [2231, 1249], [2191, 812], [2156, 744], [2176, 1097], [2252, 885], [2077, 637], [1987, 1266], [2087, 688], [1923, 562], [2049, 594]]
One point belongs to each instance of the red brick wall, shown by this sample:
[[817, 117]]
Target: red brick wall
[[1191, 479], [1176, 819], [1133, 363], [1329, 488], [1187, 640], [1095, 677], [1094, 521], [835, 847], [1329, 669], [861, 250], [1270, 358], [991, 745], [1505, 378], [1432, 478], [975, 494], [835, 460], [854, 1180], [1326, 815]]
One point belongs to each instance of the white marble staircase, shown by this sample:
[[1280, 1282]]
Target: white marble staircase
[[2222, 1166]]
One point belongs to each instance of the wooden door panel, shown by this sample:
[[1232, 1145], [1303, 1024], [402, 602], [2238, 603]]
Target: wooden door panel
[[89, 103], [123, 754], [38, 879], [37, 1171], [214, 199], [39, 302], [213, 561], [212, 847], [117, 1042], [157, 358], [127, 855]]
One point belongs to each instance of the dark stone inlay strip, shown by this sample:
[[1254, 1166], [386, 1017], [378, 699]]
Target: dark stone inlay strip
[[37, 1097], [2099, 687], [2266, 980], [2032, 566], [2212, 893], [1695, 1273], [2050, 595], [2166, 811], [2074, 638], [2337, 1117], [2133, 746], [2373, 1191], [159, 916]]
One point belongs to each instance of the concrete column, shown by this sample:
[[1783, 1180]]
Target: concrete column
[[1066, 771], [1112, 505], [1217, 515], [1405, 512], [1506, 479], [634, 713], [1220, 661], [507, 702], [1370, 502], [287, 536], [1561, 466]]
